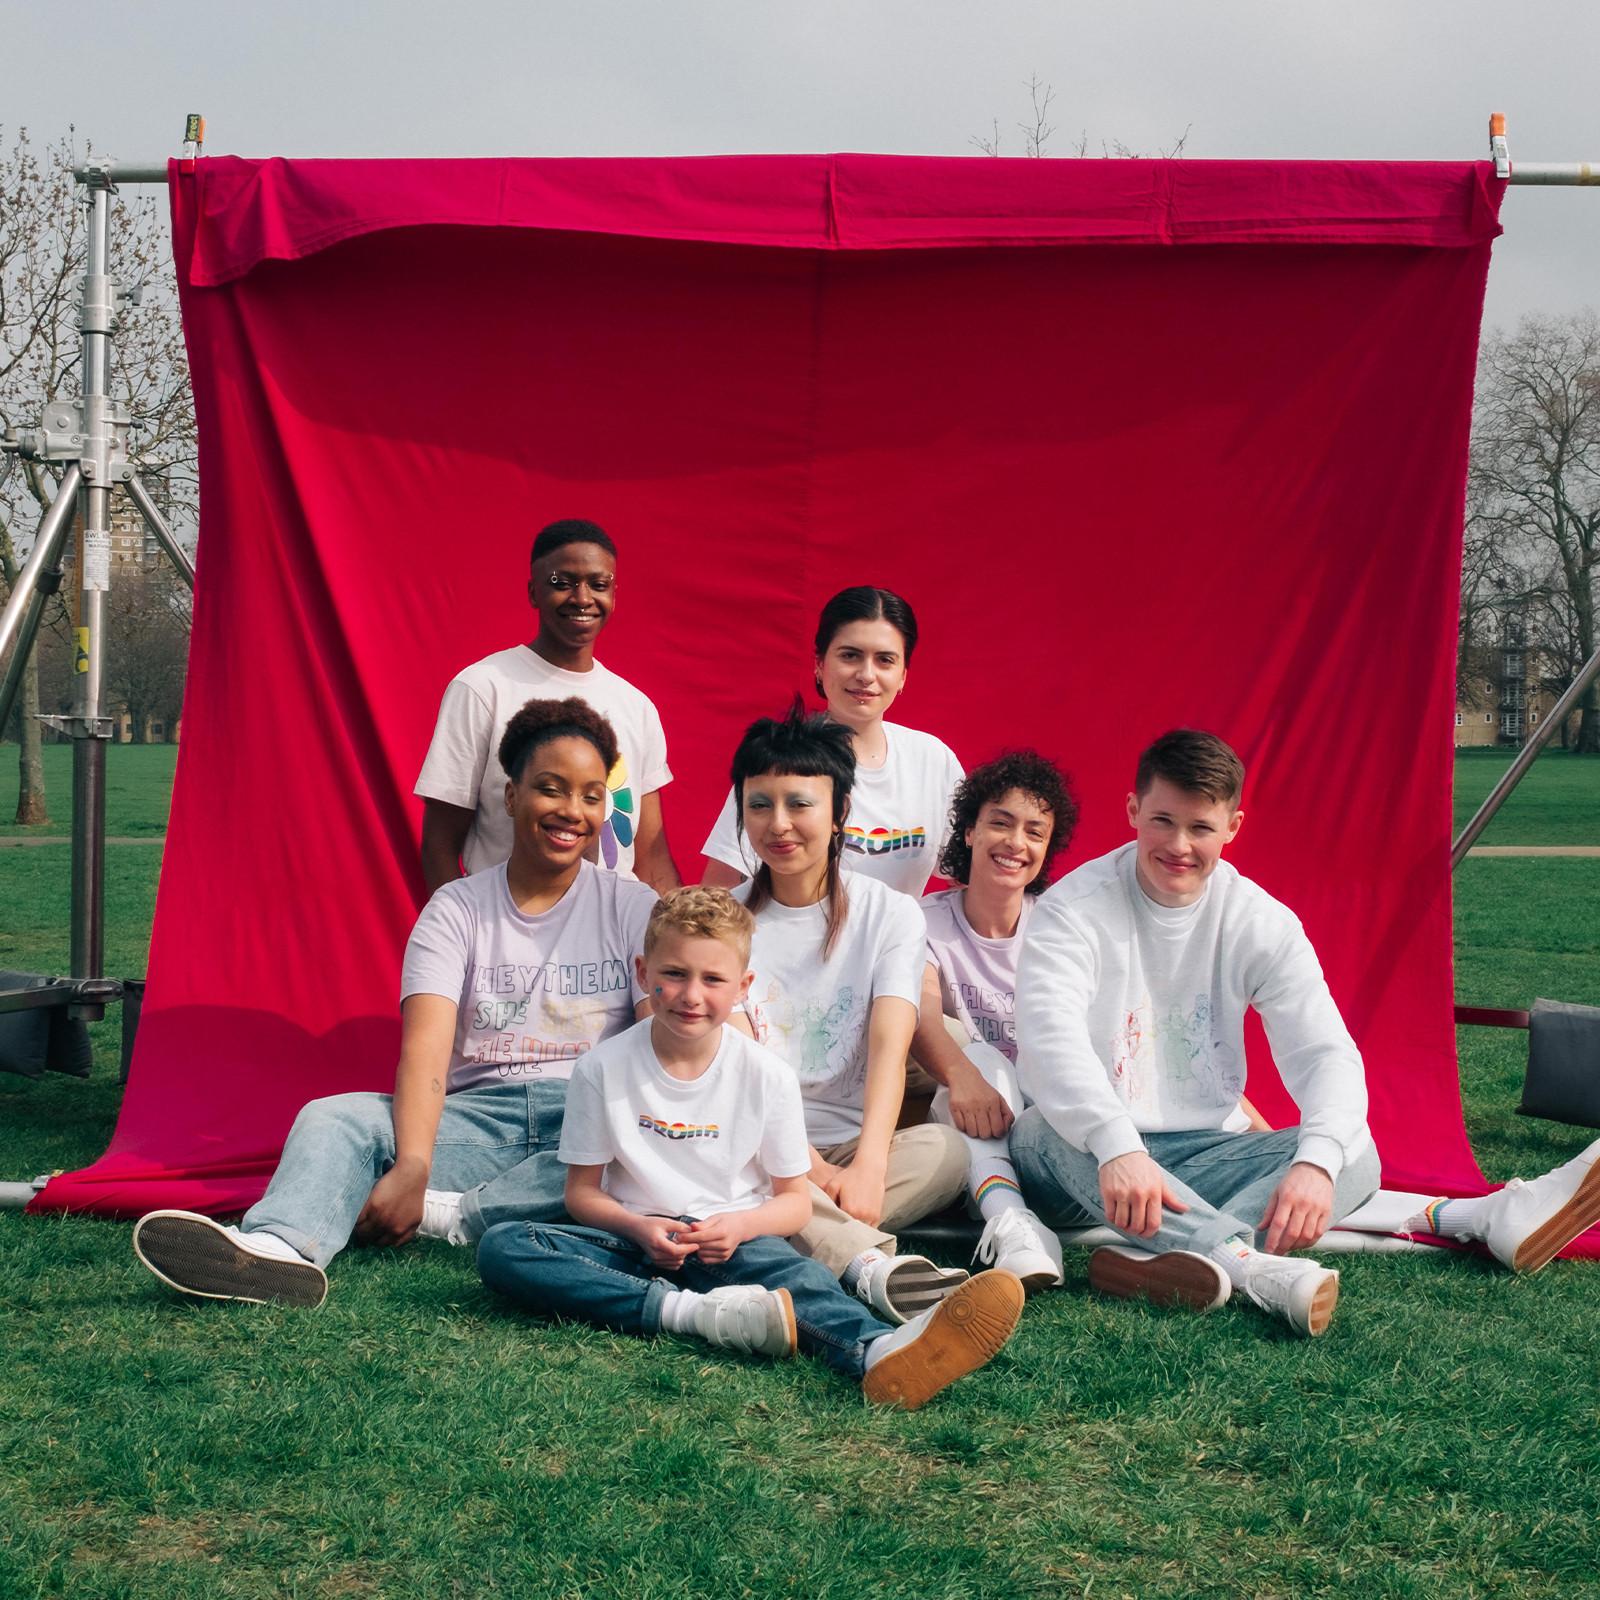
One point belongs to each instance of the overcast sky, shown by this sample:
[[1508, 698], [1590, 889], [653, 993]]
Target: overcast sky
[[1361, 79]]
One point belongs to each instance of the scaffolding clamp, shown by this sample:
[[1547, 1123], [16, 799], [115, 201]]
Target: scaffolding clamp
[[1498, 148]]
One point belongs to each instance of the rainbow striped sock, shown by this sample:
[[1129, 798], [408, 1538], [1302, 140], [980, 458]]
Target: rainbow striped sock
[[996, 1192], [1452, 1219]]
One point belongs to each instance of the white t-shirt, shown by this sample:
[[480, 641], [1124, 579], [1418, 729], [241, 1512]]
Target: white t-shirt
[[1130, 1015], [977, 976], [532, 993], [814, 1013], [677, 1148], [462, 767], [899, 815]]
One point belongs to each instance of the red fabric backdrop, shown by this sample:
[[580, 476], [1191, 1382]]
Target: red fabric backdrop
[[1145, 443]]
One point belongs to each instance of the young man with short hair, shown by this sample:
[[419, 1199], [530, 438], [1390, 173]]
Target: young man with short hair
[[573, 589], [687, 1167], [1136, 974]]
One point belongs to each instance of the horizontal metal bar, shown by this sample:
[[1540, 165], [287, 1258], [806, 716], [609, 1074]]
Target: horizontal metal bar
[[1489, 1017], [122, 172], [59, 993], [1556, 172], [1575, 173]]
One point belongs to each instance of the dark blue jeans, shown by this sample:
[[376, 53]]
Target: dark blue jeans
[[588, 1275]]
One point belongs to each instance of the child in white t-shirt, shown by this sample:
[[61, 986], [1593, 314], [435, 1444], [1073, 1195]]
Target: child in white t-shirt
[[686, 1165], [903, 778]]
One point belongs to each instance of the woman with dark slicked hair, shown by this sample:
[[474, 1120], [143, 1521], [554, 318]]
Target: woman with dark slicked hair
[[838, 961], [904, 778], [509, 976]]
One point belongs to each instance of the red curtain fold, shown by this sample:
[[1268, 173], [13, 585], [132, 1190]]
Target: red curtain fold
[[1145, 443]]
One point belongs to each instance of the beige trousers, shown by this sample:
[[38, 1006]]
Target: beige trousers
[[927, 1170]]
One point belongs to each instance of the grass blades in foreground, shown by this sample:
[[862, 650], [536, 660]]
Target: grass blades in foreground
[[414, 1438]]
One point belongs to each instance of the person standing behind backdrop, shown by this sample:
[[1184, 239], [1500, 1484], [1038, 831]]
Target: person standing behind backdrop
[[573, 588], [899, 807]]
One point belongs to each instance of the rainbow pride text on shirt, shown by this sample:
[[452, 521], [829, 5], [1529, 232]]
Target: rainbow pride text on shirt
[[880, 841], [679, 1130]]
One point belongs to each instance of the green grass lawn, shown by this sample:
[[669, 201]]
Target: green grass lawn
[[1557, 802], [138, 789], [413, 1438]]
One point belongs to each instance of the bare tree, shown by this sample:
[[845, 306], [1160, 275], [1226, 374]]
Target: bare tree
[[1037, 130], [147, 646], [42, 249], [1534, 488]]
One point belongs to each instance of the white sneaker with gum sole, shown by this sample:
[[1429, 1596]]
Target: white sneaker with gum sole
[[1524, 1225], [963, 1332], [1295, 1288], [748, 1318]]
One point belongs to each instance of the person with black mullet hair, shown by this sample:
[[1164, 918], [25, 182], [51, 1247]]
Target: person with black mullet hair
[[838, 960], [509, 977]]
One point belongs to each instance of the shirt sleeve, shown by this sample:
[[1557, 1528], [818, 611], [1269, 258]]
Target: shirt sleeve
[[439, 950], [724, 844], [657, 774], [785, 1153], [639, 902], [1057, 1066], [951, 776], [902, 950], [452, 771], [585, 1140], [1315, 1055]]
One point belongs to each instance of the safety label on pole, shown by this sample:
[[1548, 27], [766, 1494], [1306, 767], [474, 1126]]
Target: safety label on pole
[[97, 559], [80, 655]]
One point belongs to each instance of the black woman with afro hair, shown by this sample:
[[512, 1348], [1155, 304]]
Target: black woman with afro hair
[[509, 976]]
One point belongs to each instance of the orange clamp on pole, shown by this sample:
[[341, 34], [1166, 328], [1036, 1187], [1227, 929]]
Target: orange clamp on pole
[[1498, 148]]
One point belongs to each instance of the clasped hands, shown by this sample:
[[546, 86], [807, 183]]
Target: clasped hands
[[1134, 1189], [669, 1242]]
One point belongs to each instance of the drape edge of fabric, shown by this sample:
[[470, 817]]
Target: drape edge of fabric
[[250, 211]]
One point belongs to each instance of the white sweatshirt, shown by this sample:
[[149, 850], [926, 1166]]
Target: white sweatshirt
[[1130, 1015]]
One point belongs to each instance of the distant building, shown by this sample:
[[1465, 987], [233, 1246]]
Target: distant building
[[1507, 689]]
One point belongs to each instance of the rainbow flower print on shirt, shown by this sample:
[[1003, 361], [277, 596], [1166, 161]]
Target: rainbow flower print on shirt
[[616, 832]]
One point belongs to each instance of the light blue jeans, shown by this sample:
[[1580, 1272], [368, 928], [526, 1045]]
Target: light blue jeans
[[589, 1275], [1226, 1180], [497, 1145]]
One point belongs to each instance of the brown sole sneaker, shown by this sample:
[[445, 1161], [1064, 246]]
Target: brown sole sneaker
[[198, 1256], [791, 1326], [1320, 1312], [967, 1329], [1172, 1278], [1578, 1215]]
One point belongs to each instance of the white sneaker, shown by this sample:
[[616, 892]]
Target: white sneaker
[[1525, 1224], [441, 1217], [1294, 1288], [1017, 1241], [747, 1318], [201, 1257], [901, 1287], [1165, 1278], [908, 1367]]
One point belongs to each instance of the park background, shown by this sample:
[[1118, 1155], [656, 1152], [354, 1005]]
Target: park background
[[413, 1438]]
